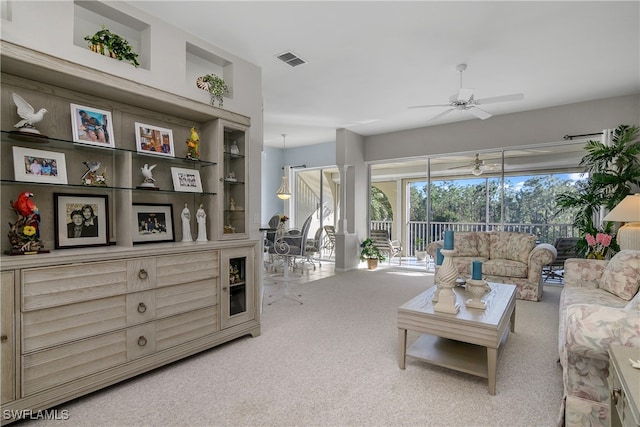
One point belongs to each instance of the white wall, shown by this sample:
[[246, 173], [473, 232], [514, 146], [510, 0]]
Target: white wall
[[508, 130]]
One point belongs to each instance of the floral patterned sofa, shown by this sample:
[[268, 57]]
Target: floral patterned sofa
[[599, 306], [506, 257]]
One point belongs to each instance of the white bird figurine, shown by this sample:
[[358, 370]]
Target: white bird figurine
[[91, 168], [146, 172], [28, 114]]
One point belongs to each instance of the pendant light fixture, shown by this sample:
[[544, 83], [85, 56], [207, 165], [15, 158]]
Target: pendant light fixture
[[283, 192]]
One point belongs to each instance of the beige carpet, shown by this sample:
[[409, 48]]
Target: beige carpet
[[333, 362]]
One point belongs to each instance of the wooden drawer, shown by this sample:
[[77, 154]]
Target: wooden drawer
[[191, 267], [56, 286], [186, 327], [48, 368], [57, 325], [178, 299]]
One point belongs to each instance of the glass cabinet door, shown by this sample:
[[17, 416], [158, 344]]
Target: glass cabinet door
[[234, 160], [238, 286]]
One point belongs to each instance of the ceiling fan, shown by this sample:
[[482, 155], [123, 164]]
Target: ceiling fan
[[464, 101], [477, 166]]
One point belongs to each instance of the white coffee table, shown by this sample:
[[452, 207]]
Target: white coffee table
[[467, 341]]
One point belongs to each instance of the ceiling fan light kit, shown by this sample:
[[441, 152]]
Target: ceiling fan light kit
[[465, 101]]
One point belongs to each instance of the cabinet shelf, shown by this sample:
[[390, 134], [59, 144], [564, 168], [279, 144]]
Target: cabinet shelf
[[233, 155], [63, 144], [93, 188]]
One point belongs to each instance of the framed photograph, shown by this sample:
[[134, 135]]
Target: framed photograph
[[152, 223], [154, 140], [80, 220], [92, 126], [187, 180], [39, 166]]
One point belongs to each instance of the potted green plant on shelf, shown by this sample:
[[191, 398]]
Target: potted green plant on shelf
[[370, 253], [109, 44], [421, 254], [215, 85]]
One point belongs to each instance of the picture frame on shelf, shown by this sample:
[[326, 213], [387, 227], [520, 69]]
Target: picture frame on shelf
[[186, 180], [80, 220], [30, 165], [152, 223], [154, 140], [92, 126]]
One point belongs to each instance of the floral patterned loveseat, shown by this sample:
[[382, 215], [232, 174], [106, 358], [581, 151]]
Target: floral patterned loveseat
[[599, 306], [506, 257]]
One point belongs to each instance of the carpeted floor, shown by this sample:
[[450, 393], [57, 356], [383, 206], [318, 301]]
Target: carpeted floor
[[333, 362]]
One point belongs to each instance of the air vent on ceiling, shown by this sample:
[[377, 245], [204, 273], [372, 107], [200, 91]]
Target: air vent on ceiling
[[291, 59]]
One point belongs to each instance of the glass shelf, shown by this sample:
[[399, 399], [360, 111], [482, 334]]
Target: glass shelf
[[226, 181], [233, 155], [100, 187], [63, 144]]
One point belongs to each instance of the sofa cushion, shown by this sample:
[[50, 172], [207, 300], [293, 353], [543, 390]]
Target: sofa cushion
[[621, 277], [511, 246], [504, 267], [463, 264], [471, 244]]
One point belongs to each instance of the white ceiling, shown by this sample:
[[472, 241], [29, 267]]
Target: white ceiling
[[368, 61]]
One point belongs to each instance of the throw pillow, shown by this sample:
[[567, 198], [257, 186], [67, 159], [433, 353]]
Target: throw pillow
[[621, 276]]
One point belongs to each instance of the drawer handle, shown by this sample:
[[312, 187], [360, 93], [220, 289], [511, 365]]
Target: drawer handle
[[142, 274], [615, 394], [4, 338], [142, 308], [142, 341]]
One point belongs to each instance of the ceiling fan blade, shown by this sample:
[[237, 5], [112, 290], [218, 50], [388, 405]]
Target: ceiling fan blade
[[503, 98], [479, 113], [465, 94], [437, 116], [428, 106]]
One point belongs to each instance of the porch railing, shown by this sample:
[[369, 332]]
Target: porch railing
[[546, 233]]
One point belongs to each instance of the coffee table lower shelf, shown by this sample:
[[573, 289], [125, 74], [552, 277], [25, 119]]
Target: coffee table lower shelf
[[451, 354]]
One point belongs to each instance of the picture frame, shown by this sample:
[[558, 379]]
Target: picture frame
[[152, 223], [30, 165], [80, 220], [92, 126], [154, 140], [186, 180]]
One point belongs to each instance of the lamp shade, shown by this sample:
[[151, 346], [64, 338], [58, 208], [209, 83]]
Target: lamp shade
[[628, 210], [283, 192]]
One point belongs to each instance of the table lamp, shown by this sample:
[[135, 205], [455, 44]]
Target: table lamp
[[628, 210]]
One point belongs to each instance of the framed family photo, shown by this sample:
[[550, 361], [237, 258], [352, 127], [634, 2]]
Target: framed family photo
[[152, 223], [92, 126], [186, 180], [80, 220], [154, 140], [39, 166]]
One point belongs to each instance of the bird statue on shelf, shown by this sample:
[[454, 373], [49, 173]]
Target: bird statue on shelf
[[24, 205], [92, 177], [149, 181], [29, 116], [193, 145], [24, 234]]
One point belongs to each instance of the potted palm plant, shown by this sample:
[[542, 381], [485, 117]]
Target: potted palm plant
[[109, 44], [370, 253]]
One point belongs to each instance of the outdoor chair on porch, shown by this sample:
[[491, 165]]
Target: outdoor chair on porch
[[566, 248], [383, 242]]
